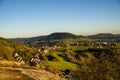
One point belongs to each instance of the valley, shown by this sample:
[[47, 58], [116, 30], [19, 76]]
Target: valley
[[62, 54]]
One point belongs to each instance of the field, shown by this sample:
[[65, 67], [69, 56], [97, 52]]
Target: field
[[63, 65]]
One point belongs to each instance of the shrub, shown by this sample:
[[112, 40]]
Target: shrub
[[52, 56]]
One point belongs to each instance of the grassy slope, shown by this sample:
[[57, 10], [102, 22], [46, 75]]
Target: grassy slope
[[76, 48], [8, 48], [62, 64]]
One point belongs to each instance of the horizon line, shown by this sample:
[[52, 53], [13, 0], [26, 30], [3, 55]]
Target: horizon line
[[59, 32]]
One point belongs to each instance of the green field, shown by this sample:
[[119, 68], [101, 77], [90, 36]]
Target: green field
[[63, 65], [76, 48]]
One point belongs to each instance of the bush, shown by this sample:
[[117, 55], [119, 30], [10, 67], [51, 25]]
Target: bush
[[104, 68], [52, 57], [43, 57]]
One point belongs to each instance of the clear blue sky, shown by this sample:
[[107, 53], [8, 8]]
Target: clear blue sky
[[26, 18]]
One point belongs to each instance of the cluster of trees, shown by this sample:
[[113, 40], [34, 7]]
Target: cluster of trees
[[97, 65]]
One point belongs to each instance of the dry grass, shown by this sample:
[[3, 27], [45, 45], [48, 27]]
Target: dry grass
[[4, 63], [13, 74], [9, 70]]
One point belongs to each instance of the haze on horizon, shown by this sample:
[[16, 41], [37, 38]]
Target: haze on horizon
[[27, 18]]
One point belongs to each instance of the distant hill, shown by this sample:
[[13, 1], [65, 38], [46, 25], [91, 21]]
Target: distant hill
[[104, 36], [31, 39], [61, 36], [64, 35], [58, 35], [118, 36]]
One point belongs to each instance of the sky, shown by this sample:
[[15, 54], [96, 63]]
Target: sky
[[28, 18]]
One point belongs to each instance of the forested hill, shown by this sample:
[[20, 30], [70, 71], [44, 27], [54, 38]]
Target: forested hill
[[61, 36], [104, 36], [64, 35], [58, 35]]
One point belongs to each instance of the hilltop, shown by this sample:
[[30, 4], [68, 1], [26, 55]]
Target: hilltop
[[61, 35]]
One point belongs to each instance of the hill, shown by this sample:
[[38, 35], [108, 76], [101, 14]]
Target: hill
[[65, 35], [8, 49], [11, 69], [65, 38], [104, 36], [61, 36], [58, 35], [31, 39]]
